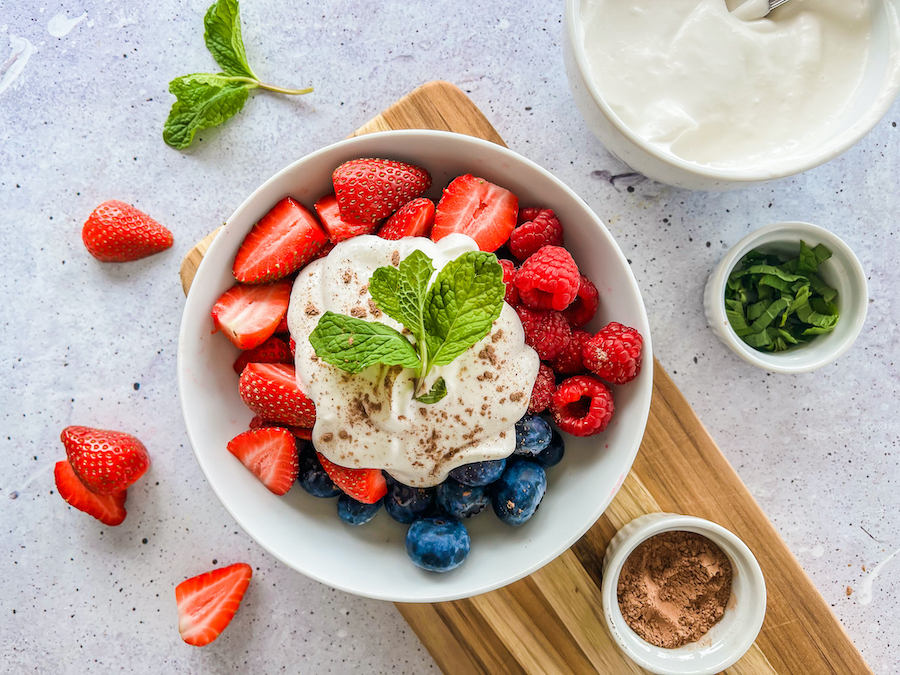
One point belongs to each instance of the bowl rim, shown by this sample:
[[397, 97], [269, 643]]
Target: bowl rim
[[888, 92], [716, 299], [643, 399]]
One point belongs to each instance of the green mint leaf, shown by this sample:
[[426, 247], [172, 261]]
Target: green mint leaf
[[204, 100], [819, 287], [438, 391], [353, 344], [414, 274], [767, 269], [462, 305], [383, 289], [222, 32], [769, 315]]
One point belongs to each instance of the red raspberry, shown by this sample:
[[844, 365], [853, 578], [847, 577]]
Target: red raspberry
[[542, 230], [570, 361], [509, 275], [542, 393], [614, 353], [582, 406], [528, 214], [547, 332], [549, 279], [585, 304]]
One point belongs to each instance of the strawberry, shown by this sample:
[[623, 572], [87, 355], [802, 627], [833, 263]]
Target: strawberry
[[337, 228], [270, 390], [207, 602], [108, 509], [273, 350], [477, 208], [284, 240], [303, 433], [413, 219], [282, 326], [364, 485], [118, 232], [271, 454], [107, 462], [369, 190], [249, 315]]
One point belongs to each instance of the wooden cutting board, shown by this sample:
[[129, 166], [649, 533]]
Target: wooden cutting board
[[552, 622]]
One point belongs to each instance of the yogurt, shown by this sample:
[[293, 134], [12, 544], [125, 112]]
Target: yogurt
[[701, 83], [370, 419]]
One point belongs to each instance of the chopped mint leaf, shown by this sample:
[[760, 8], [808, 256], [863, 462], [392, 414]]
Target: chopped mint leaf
[[353, 344], [438, 391], [222, 33]]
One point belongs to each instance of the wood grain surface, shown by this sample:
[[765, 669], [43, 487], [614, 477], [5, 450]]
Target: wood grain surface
[[552, 621]]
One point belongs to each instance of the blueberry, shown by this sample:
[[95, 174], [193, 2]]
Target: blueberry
[[461, 501], [532, 435], [353, 512], [553, 453], [438, 544], [312, 476], [405, 504], [519, 492], [479, 473]]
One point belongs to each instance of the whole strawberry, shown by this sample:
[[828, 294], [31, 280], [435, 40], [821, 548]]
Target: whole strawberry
[[107, 462], [614, 353], [118, 232], [369, 190]]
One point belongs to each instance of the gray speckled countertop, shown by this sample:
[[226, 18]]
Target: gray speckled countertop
[[84, 343]]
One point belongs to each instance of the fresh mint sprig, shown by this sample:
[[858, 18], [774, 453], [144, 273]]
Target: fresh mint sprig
[[445, 319], [206, 100]]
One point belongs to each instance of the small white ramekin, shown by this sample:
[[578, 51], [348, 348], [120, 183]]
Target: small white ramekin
[[842, 272], [728, 640]]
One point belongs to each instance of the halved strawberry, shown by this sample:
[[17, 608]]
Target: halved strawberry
[[284, 240], [273, 350], [482, 210], [207, 602], [413, 219], [271, 454], [337, 228], [108, 509], [248, 315], [364, 485], [282, 326], [369, 190], [118, 232], [107, 462], [271, 391], [303, 433]]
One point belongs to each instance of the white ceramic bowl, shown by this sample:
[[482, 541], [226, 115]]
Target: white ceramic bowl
[[728, 640], [879, 88], [842, 272], [304, 532]]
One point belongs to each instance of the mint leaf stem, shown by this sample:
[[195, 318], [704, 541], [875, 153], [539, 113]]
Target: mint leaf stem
[[253, 84]]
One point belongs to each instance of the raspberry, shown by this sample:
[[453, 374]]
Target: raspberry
[[570, 361], [528, 214], [549, 279], [585, 304], [509, 275], [542, 393], [547, 332], [614, 353], [542, 230], [582, 406]]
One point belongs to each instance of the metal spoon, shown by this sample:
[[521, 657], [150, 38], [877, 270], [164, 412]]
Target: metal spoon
[[753, 10]]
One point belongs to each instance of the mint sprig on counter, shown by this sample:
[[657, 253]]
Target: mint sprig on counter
[[206, 99], [445, 318]]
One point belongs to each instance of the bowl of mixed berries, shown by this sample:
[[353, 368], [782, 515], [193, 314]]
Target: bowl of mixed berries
[[415, 366]]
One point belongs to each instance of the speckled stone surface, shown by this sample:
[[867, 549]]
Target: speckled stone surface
[[84, 343]]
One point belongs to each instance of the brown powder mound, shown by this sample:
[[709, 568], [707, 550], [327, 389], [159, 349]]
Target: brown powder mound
[[673, 588]]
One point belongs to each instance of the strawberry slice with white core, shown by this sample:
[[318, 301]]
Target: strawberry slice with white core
[[413, 219], [477, 208], [364, 485], [284, 240], [108, 509], [248, 315], [271, 391], [337, 228], [271, 454], [207, 602]]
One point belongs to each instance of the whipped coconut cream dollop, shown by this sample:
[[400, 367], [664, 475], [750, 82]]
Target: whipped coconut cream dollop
[[370, 419]]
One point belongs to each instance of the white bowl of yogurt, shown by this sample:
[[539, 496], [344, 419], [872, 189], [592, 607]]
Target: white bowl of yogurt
[[693, 95], [304, 532]]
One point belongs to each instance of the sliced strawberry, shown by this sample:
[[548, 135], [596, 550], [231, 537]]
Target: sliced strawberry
[[413, 219], [273, 350], [325, 250], [338, 229], [248, 315], [369, 190], [108, 509], [118, 232], [107, 462], [303, 433], [282, 326], [364, 485], [477, 208], [207, 602], [271, 454], [270, 390], [284, 240]]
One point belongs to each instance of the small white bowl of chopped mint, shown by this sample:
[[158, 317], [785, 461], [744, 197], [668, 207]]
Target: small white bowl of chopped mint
[[789, 297]]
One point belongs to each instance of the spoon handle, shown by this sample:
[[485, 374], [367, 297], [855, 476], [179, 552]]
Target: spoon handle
[[776, 3]]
